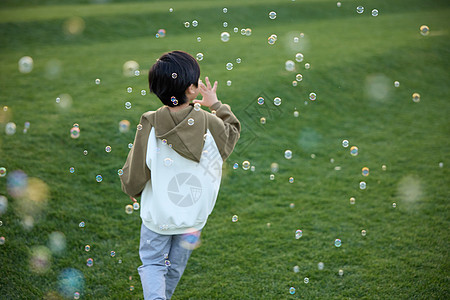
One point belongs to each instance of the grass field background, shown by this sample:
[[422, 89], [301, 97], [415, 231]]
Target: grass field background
[[355, 59]]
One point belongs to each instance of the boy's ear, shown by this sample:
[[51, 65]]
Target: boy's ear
[[191, 89]]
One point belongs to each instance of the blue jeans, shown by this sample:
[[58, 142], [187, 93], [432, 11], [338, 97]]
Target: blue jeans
[[163, 263]]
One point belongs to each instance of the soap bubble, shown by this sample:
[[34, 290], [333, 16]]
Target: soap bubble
[[195, 23], [197, 106], [75, 132], [307, 66], [277, 101], [306, 280], [272, 15], [262, 120], [352, 200], [190, 121], [57, 242], [299, 77], [236, 30], [441, 164], [129, 68], [187, 24], [396, 84], [296, 113], [199, 39], [40, 259], [363, 232], [71, 169], [424, 30], [25, 64], [191, 239], [85, 152], [298, 234], [289, 65], [87, 248], [235, 166], [365, 171], [312, 96], [97, 81], [90, 262], [99, 178], [10, 128], [320, 265], [225, 24], [354, 150], [374, 12], [271, 40], [3, 204], [345, 143], [235, 218], [168, 162], [260, 100], [199, 56], [296, 269], [383, 167], [360, 9], [124, 126], [112, 253], [70, 282], [246, 165], [225, 10], [139, 127], [394, 205], [288, 154], [238, 60], [137, 73], [229, 66], [341, 272], [248, 32], [274, 167], [82, 224], [337, 242], [136, 205], [128, 105], [291, 179], [362, 185], [130, 145], [161, 33], [252, 168], [294, 83], [272, 177], [228, 82], [76, 295], [416, 97], [171, 9], [292, 290], [225, 36], [74, 26], [143, 92], [299, 57], [338, 4], [2, 240], [129, 209], [174, 75], [108, 149]]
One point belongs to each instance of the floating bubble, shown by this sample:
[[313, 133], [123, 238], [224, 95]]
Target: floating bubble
[[320, 266], [129, 209], [383, 167], [363, 232], [40, 259], [136, 205], [25, 64], [253, 168], [243, 31], [143, 92], [112, 253], [352, 200], [236, 30], [187, 24], [139, 127], [108, 149], [299, 57], [396, 84], [345, 143], [238, 60], [90, 262], [10, 128], [82, 224], [2, 240], [262, 120], [99, 178], [416, 97], [87, 248], [362, 185], [298, 234], [168, 162], [374, 12], [288, 154], [191, 239], [337, 242], [57, 242], [130, 145], [394, 205], [225, 24], [3, 204], [291, 179], [312, 96], [299, 77], [197, 106], [354, 150], [190, 121], [277, 101], [338, 4], [137, 73], [260, 100], [341, 272], [246, 165], [124, 126], [296, 269], [74, 26], [195, 23], [199, 56], [171, 9], [294, 83], [307, 66], [75, 132], [424, 30], [53, 69], [1, 223], [129, 68], [225, 10], [97, 81], [85, 152], [128, 105], [360, 9], [3, 172], [271, 40], [228, 82], [292, 290], [289, 65], [229, 66], [296, 39], [272, 177], [235, 218], [161, 33], [296, 113], [76, 295], [131, 287], [306, 280], [272, 15], [365, 171], [70, 282], [199, 39], [248, 32], [174, 75], [71, 169], [225, 36], [441, 164], [274, 167]]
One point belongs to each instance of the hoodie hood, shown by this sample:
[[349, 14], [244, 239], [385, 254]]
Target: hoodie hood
[[184, 130]]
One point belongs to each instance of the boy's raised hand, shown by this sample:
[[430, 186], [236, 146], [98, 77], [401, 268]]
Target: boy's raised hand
[[208, 92]]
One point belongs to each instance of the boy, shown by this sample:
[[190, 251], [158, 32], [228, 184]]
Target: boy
[[175, 165]]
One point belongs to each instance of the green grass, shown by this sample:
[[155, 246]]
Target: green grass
[[405, 252]]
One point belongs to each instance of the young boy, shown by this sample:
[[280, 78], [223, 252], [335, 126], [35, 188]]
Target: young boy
[[175, 165]]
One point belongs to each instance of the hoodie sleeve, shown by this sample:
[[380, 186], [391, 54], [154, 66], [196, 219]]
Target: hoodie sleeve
[[225, 128], [135, 171]]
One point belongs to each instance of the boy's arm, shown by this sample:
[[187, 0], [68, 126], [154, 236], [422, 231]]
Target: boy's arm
[[135, 171]]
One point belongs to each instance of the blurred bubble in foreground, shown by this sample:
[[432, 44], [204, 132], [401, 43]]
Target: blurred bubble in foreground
[[57, 242], [289, 65], [70, 281], [10, 128], [3, 204], [377, 87], [25, 64], [129, 68], [191, 240], [124, 126], [40, 259], [74, 26]]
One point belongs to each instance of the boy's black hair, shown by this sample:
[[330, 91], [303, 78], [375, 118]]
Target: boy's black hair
[[171, 75]]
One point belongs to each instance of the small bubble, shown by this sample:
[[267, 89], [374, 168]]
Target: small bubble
[[424, 30], [292, 290], [299, 77], [229, 66], [235, 218], [288, 154], [168, 162], [199, 39], [225, 36], [137, 73], [87, 248], [272, 15], [128, 105], [190, 121], [253, 168], [374, 12], [130, 145], [129, 89], [383, 167], [99, 178], [236, 30], [352, 200], [338, 4], [225, 24], [235, 166], [225, 10], [274, 167], [108, 149], [306, 280], [174, 75], [260, 100], [89, 262], [307, 66], [360, 9], [277, 101], [296, 113], [296, 269], [129, 209], [76, 295], [197, 106], [120, 172], [299, 56], [199, 56], [441, 164], [228, 82], [354, 150], [136, 205], [416, 97], [74, 132], [2, 240], [85, 152], [82, 224], [262, 120], [171, 9], [337, 242], [139, 127], [272, 177], [246, 165], [341, 272], [195, 23], [362, 185], [113, 253], [71, 170], [396, 84], [312, 96], [394, 205], [365, 171], [363, 232], [97, 81], [292, 205], [238, 60], [187, 24], [298, 234], [294, 83], [320, 266], [143, 92], [291, 179]]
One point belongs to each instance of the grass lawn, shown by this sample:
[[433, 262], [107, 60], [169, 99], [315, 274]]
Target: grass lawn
[[354, 60]]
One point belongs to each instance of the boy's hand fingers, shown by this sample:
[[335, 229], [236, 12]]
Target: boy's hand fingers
[[215, 86], [208, 84]]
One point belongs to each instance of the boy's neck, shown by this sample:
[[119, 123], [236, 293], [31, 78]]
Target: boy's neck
[[179, 107]]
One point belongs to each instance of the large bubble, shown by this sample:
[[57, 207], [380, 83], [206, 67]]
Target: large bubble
[[25, 64], [70, 281]]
